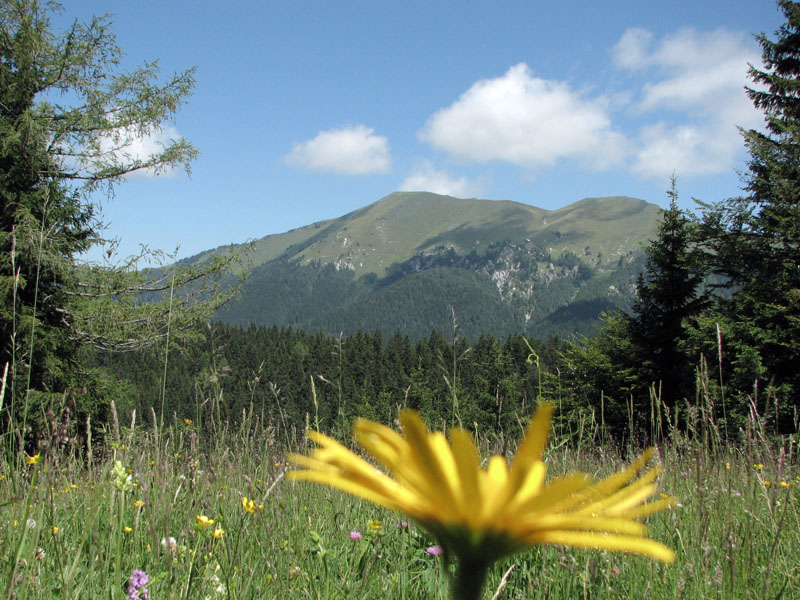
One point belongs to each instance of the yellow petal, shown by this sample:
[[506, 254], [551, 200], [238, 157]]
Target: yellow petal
[[426, 461], [346, 484], [617, 543], [468, 465]]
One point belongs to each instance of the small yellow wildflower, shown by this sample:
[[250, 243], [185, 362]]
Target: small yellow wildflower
[[218, 532], [260, 507], [152, 463], [139, 503], [375, 525], [727, 465], [54, 529], [758, 466], [785, 484], [187, 421], [33, 460], [248, 505], [73, 486], [766, 483], [204, 520], [127, 529]]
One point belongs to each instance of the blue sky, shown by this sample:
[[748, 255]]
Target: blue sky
[[307, 110]]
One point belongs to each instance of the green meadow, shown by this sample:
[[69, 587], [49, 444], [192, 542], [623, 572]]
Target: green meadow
[[79, 528]]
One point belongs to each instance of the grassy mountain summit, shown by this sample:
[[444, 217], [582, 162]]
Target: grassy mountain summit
[[393, 229], [518, 264]]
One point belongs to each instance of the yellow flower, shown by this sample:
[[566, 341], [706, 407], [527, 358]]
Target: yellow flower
[[479, 514], [767, 483], [187, 421], [204, 520], [33, 460], [248, 505], [139, 503], [54, 530], [127, 529], [785, 484], [375, 525], [218, 532], [758, 466]]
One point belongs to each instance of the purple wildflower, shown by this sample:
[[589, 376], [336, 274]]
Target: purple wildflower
[[434, 550], [405, 525], [136, 589], [355, 535]]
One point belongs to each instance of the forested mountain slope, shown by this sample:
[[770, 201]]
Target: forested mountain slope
[[411, 260]]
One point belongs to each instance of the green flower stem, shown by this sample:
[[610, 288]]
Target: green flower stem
[[470, 579]]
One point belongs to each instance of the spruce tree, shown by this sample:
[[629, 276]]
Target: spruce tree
[[667, 296], [754, 241]]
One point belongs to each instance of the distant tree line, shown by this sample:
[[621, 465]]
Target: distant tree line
[[293, 378]]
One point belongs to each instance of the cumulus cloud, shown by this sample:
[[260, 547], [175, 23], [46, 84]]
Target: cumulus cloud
[[428, 179], [700, 76], [525, 120], [704, 149], [348, 151]]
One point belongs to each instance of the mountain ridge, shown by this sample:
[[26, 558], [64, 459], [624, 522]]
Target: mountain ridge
[[516, 221]]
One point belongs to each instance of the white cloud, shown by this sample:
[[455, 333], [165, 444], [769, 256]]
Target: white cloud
[[699, 82], [527, 121], [686, 150], [126, 146], [428, 179], [348, 151], [631, 50]]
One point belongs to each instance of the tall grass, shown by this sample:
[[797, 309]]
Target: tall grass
[[77, 526]]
